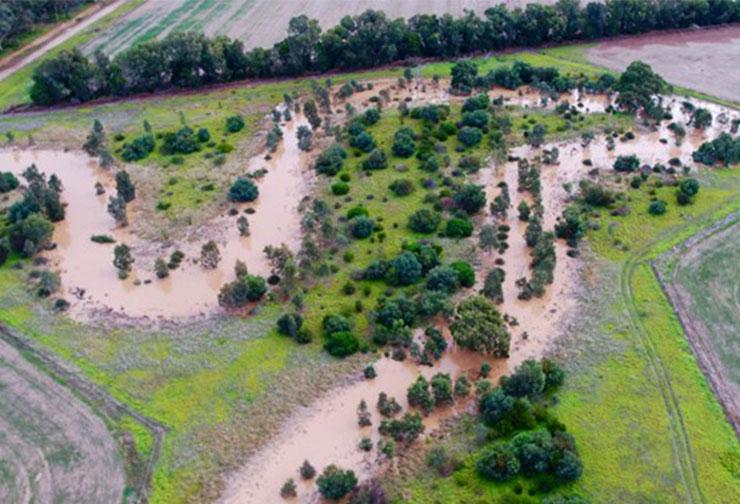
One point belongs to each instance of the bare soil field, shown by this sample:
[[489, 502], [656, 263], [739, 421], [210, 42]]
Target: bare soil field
[[704, 60], [260, 23], [53, 448], [695, 277]]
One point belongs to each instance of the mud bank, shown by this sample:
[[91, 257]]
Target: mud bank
[[89, 280]]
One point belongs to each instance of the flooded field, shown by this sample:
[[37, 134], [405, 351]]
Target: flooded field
[[705, 60], [89, 280]]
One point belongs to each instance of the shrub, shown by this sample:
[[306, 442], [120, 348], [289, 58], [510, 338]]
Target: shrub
[[8, 182], [340, 188], [243, 190], [341, 344], [403, 143], [627, 163], [458, 228], [657, 207], [424, 221], [234, 123], [204, 135], [331, 160], [335, 323], [498, 463], [404, 270], [377, 160], [469, 136], [361, 227], [494, 405], [334, 483], [364, 141], [401, 187], [465, 273], [139, 148], [289, 324], [307, 471], [528, 380]]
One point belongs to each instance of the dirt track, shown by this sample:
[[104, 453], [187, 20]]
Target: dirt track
[[53, 448]]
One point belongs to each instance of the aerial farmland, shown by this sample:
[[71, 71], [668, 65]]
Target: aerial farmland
[[369, 252]]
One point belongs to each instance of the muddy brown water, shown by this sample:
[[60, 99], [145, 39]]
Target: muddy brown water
[[327, 432], [87, 267]]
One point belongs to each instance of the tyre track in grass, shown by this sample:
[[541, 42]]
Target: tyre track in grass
[[102, 402]]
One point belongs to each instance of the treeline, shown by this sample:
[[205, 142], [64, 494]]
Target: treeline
[[187, 60], [17, 17]]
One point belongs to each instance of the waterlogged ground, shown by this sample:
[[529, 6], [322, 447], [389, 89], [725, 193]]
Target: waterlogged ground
[[89, 280]]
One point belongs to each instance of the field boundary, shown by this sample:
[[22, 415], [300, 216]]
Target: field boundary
[[101, 401], [702, 349]]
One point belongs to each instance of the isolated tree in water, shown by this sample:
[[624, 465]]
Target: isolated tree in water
[[488, 239], [117, 210], [124, 187], [122, 260], [478, 326], [210, 255], [242, 224], [95, 140], [305, 137]]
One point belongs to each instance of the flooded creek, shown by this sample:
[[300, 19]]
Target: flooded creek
[[89, 280]]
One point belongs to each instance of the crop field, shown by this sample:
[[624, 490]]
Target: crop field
[[701, 278], [259, 23], [703, 60]]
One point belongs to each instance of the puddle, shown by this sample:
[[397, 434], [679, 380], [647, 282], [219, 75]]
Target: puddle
[[190, 290]]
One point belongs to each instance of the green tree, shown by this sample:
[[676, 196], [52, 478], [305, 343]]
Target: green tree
[[243, 190], [463, 76], [528, 380], [418, 395], [637, 86], [334, 483], [478, 326], [122, 260], [498, 463], [125, 187]]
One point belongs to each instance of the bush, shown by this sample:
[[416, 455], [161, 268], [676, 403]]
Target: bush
[[458, 228], [243, 190], [361, 227], [657, 207], [334, 483], [528, 380], [424, 221], [469, 136], [234, 123], [364, 141], [494, 405], [377, 160], [627, 163], [465, 273], [403, 143], [401, 187], [340, 188], [331, 160], [8, 182], [289, 324], [307, 471], [341, 344], [139, 148], [498, 463]]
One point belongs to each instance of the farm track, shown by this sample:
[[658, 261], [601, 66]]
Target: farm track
[[680, 438], [101, 401], [703, 350]]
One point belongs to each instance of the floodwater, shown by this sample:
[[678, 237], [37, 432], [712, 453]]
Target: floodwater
[[90, 281], [707, 60], [327, 432]]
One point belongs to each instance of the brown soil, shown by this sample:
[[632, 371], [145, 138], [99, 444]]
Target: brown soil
[[705, 60]]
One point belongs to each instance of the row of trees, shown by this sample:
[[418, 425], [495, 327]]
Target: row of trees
[[17, 17], [187, 60]]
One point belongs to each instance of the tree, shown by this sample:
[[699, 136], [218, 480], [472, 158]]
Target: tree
[[210, 255], [469, 136], [442, 389], [493, 285], [533, 449], [488, 238], [334, 483], [424, 221], [627, 164], [458, 228], [657, 207], [95, 139], [536, 137], [377, 160], [341, 343], [331, 160], [443, 278], [404, 270], [465, 273], [307, 470], [160, 268], [478, 326], [122, 260], [363, 415], [403, 143], [401, 187], [124, 187], [242, 224], [528, 380], [235, 123], [701, 118], [494, 405], [369, 492], [361, 227], [418, 395], [470, 198], [288, 490], [571, 227], [243, 190], [8, 182], [637, 86], [289, 324], [117, 210], [305, 137], [463, 77], [312, 114], [498, 462]]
